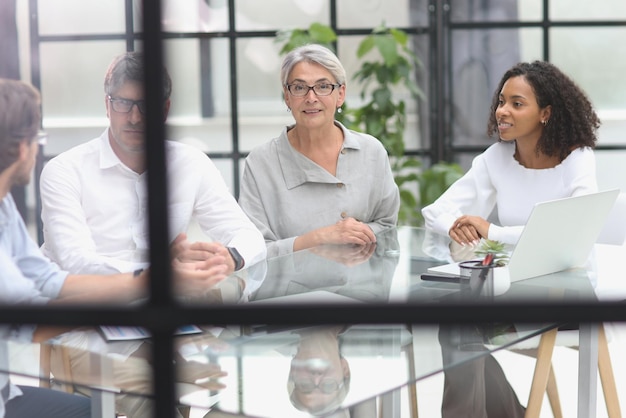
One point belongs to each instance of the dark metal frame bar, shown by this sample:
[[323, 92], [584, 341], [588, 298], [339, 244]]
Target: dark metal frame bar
[[161, 315]]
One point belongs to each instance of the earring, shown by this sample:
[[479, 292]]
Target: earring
[[288, 109], [544, 122], [339, 110]]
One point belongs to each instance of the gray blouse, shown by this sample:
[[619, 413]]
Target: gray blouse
[[286, 194]]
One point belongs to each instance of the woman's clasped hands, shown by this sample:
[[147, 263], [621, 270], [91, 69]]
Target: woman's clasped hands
[[348, 231], [468, 230], [349, 242]]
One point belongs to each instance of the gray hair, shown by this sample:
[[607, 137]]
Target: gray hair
[[128, 67], [316, 54]]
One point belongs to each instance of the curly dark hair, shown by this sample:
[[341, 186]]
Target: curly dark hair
[[573, 121]]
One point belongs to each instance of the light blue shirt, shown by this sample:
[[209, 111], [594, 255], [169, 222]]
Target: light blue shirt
[[27, 275]]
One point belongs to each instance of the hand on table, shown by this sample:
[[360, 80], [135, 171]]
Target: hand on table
[[201, 374], [348, 231], [198, 266], [201, 254], [468, 230]]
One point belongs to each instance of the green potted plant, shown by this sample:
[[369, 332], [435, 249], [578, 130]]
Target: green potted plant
[[489, 255], [493, 253]]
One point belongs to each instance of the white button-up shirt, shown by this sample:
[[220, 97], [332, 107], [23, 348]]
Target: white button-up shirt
[[94, 208]]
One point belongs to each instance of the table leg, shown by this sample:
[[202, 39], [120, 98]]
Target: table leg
[[102, 401], [587, 370]]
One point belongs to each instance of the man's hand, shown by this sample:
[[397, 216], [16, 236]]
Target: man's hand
[[201, 374], [200, 253], [198, 266]]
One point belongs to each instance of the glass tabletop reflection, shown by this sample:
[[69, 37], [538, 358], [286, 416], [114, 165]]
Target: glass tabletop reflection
[[327, 368]]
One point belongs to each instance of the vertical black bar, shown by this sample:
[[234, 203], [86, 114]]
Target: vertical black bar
[[155, 156], [446, 153], [206, 84], [333, 23], [35, 79], [130, 26], [437, 69], [546, 30], [234, 108], [160, 283]]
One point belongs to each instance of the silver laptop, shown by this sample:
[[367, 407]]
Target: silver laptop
[[558, 235]]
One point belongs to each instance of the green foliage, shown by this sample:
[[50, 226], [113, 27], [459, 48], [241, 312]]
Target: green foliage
[[435, 180], [315, 34], [387, 64], [497, 248]]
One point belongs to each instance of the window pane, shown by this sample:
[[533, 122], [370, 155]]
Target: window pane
[[367, 14], [72, 79], [182, 57], [261, 106], [479, 59], [195, 15], [604, 53], [258, 77], [495, 10], [200, 105], [587, 10], [68, 17], [611, 169], [279, 14]]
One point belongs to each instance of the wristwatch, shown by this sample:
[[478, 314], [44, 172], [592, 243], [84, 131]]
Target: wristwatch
[[239, 261]]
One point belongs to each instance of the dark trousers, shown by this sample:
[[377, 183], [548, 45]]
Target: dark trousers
[[41, 402], [474, 387]]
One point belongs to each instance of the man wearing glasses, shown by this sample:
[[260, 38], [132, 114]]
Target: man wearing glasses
[[27, 277], [94, 195], [94, 206]]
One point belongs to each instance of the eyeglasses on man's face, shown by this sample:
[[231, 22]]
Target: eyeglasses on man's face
[[320, 89], [41, 138], [126, 105]]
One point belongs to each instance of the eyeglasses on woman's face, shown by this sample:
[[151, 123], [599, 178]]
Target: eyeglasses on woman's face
[[320, 89]]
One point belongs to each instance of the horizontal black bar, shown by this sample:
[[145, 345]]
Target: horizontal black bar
[[170, 317], [515, 24]]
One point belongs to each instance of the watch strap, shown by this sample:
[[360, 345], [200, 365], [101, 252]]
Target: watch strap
[[239, 261]]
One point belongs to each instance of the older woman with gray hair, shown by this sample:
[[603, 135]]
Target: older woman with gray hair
[[318, 182]]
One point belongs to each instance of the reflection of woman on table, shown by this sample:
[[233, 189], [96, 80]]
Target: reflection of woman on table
[[318, 182], [319, 378]]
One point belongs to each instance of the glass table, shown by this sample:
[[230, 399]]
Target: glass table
[[348, 368]]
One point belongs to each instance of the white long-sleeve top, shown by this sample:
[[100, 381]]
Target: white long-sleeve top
[[497, 185], [94, 208]]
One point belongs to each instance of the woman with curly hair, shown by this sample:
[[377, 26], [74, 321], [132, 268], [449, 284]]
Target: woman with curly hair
[[546, 127]]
